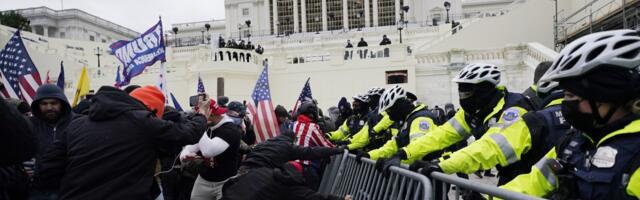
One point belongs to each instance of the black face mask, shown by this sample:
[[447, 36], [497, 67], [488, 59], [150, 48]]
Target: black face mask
[[374, 99], [361, 108], [478, 97], [584, 122], [400, 110]]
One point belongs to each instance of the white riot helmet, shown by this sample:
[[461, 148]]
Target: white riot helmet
[[390, 97], [375, 91], [546, 86], [618, 48], [363, 98], [477, 73]]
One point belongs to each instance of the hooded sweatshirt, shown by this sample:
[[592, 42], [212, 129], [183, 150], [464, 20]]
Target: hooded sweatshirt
[[46, 132], [111, 153]]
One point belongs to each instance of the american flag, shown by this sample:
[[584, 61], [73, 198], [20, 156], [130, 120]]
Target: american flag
[[200, 85], [305, 96], [19, 75], [261, 108]]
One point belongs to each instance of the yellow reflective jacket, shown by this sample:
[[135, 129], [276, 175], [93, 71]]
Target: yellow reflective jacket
[[457, 128], [416, 127], [505, 147], [361, 139], [600, 176], [352, 125]]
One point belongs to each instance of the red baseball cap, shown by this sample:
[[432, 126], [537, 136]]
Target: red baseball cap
[[216, 109]]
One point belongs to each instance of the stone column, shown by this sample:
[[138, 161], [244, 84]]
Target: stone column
[[375, 13], [275, 17], [345, 14], [397, 10], [45, 31], [367, 19], [324, 15], [295, 16], [303, 7]]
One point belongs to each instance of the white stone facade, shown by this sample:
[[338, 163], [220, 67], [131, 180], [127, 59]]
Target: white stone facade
[[421, 66], [74, 24]]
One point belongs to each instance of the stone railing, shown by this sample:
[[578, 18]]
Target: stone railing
[[536, 53], [530, 54]]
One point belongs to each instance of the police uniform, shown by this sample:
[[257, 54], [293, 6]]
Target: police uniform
[[368, 138], [516, 146], [417, 124], [350, 126], [463, 126], [579, 168]]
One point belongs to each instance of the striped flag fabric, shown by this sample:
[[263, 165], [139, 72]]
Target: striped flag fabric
[[261, 109], [162, 83], [200, 85], [305, 96], [18, 74]]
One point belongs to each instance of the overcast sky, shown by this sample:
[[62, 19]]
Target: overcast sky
[[138, 15]]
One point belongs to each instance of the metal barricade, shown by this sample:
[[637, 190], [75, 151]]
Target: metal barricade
[[345, 176], [489, 191], [362, 181]]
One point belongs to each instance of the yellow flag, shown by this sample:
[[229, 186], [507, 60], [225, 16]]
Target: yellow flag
[[83, 87]]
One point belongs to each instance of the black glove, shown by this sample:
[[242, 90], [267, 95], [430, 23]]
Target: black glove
[[429, 167], [361, 154], [384, 165], [417, 165], [173, 116], [339, 143]]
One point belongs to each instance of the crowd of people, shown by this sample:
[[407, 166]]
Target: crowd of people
[[231, 43], [573, 134]]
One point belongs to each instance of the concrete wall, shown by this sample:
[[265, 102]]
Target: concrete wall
[[529, 22]]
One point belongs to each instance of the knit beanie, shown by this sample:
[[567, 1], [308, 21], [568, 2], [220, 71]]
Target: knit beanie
[[152, 97]]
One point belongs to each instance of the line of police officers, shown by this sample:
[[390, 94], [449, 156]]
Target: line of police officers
[[580, 140]]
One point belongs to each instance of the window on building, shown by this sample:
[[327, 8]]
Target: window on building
[[386, 12], [334, 14], [104, 41], [314, 15], [245, 12], [62, 34], [92, 38], [397, 77]]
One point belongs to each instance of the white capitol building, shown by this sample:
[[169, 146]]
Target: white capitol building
[[307, 38]]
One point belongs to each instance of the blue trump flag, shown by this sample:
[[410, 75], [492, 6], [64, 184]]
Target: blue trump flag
[[140, 52]]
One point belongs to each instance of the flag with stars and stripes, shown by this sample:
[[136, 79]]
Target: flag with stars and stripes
[[162, 83], [265, 123], [305, 96], [200, 85], [19, 75]]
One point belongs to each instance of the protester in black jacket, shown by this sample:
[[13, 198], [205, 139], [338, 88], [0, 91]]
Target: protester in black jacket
[[18, 144], [270, 155], [51, 116], [282, 183], [111, 153], [276, 151]]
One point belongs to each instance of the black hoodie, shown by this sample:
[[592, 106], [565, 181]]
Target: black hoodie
[[43, 130], [276, 151], [111, 153]]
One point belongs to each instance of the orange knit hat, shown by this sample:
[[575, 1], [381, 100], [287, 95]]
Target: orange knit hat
[[152, 97]]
